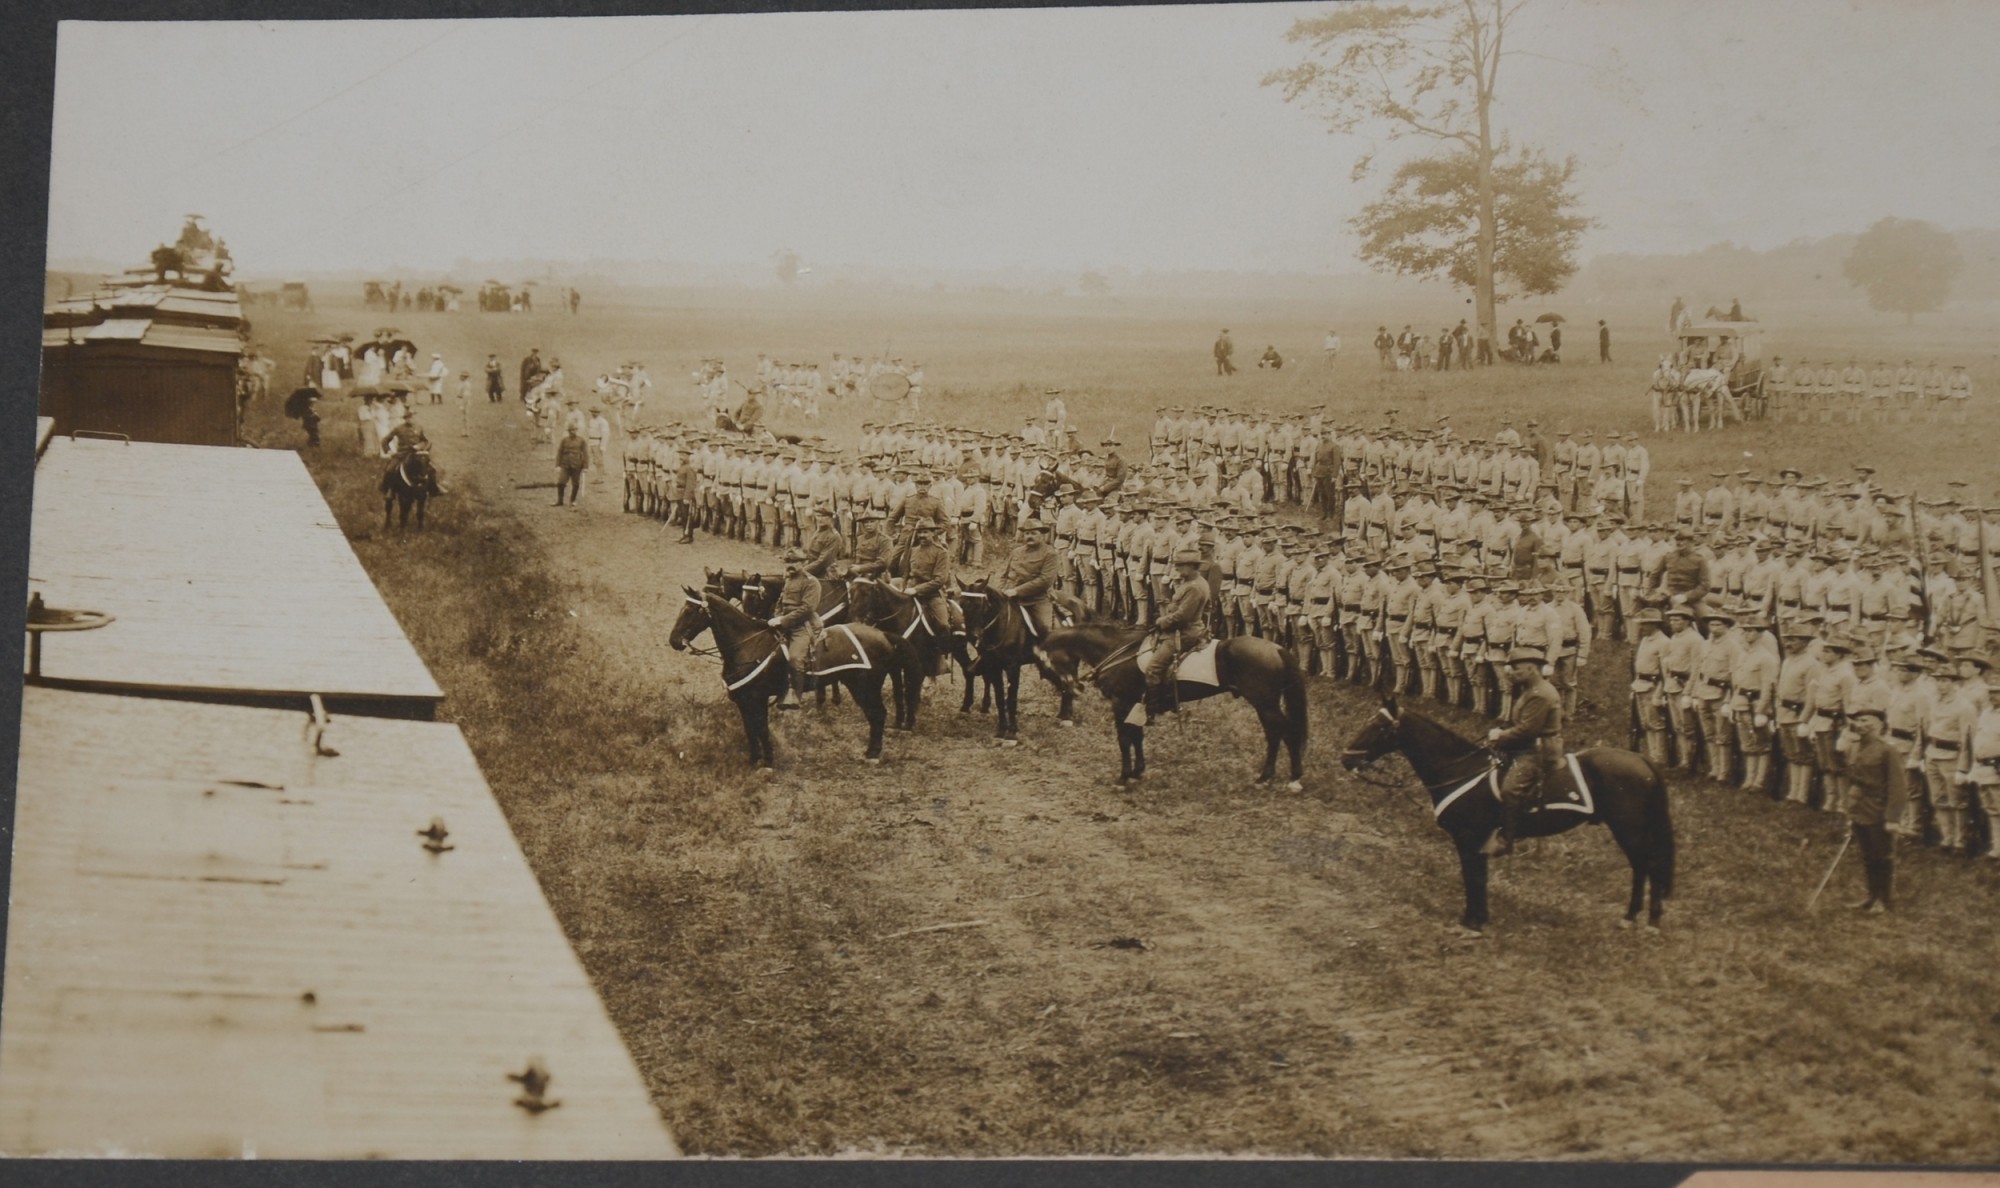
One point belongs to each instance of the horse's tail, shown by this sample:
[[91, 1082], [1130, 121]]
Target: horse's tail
[[1660, 823], [1292, 697]]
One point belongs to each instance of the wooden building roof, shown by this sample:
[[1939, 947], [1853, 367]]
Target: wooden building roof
[[227, 574], [223, 943]]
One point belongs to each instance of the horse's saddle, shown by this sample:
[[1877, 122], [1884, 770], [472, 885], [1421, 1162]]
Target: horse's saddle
[[1565, 790], [835, 649], [1195, 668]]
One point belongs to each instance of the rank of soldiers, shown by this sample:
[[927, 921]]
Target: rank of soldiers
[[1804, 392]]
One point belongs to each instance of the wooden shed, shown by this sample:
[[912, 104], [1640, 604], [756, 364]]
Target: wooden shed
[[228, 577], [155, 363], [225, 942]]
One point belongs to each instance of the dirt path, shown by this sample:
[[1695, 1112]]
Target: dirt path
[[1297, 990]]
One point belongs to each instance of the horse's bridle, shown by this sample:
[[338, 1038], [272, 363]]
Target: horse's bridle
[[1368, 765]]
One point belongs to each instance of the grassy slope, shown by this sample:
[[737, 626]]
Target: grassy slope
[[1299, 997]]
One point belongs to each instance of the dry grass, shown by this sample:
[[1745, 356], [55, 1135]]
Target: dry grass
[[1301, 994]]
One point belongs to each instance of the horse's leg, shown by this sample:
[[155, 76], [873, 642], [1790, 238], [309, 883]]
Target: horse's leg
[[1472, 871], [913, 693], [388, 509], [1012, 700], [423, 501], [1138, 752], [965, 674], [750, 736], [867, 690], [1273, 723], [1124, 733]]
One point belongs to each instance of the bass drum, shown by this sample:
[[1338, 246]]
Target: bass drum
[[889, 386]]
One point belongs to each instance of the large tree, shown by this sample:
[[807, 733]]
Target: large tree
[[1428, 73], [1428, 224], [1907, 265]]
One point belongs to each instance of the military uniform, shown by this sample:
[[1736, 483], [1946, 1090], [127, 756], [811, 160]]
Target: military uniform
[[1534, 740], [1183, 622]]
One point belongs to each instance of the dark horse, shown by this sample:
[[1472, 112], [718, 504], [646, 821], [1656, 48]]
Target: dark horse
[[409, 481], [999, 629], [896, 614], [754, 671], [1626, 794], [1256, 670]]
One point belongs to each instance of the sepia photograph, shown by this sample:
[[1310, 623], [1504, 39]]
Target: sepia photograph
[[1331, 581]]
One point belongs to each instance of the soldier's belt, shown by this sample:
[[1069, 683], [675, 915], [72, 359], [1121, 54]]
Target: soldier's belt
[[1399, 618], [1945, 745], [1903, 735]]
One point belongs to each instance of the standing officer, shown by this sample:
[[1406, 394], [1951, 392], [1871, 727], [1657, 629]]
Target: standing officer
[[1534, 739], [1181, 627], [1224, 349], [1603, 342], [1877, 789]]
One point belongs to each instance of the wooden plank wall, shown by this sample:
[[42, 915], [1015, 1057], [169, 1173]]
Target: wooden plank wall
[[225, 569], [222, 944]]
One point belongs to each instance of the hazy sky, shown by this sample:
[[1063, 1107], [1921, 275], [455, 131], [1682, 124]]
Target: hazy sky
[[1135, 137]]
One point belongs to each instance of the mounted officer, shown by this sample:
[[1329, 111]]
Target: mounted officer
[[872, 547], [931, 575], [1182, 625], [796, 621], [1533, 738], [827, 545], [1030, 573], [404, 440]]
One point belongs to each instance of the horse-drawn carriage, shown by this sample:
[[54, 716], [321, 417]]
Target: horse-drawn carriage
[[1716, 372]]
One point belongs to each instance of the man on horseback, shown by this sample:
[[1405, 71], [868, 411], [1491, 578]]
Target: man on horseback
[[930, 575], [1183, 621], [796, 621], [1030, 573], [1533, 739], [404, 440]]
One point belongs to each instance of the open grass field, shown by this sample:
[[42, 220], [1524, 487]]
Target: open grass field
[[1298, 991]]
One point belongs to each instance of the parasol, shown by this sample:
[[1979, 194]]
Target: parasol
[[1555, 318]]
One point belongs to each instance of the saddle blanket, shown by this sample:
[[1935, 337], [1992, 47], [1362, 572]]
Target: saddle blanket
[[1196, 668], [1572, 795], [838, 651]]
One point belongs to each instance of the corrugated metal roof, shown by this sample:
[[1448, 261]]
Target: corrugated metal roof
[[225, 568], [221, 944]]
